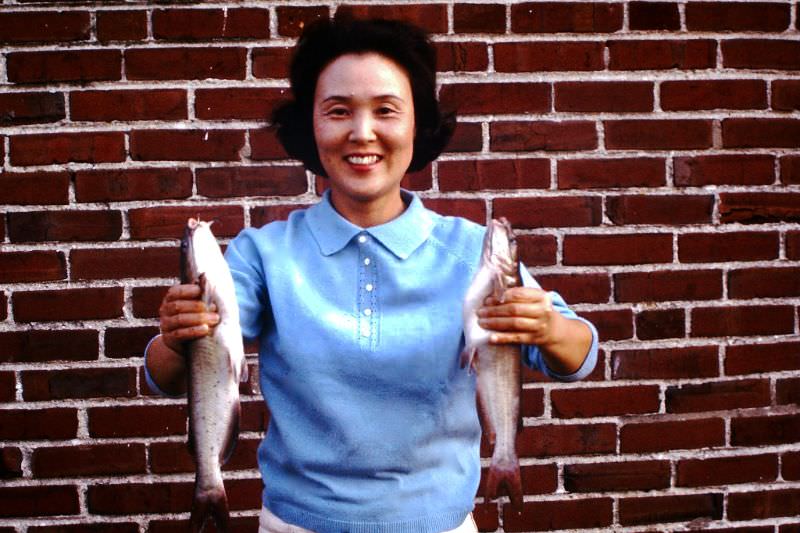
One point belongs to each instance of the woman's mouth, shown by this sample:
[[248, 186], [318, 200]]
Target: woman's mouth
[[363, 160]]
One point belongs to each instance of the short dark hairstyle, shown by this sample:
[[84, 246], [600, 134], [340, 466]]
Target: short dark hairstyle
[[324, 41]]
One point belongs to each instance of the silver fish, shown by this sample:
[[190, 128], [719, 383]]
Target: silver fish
[[216, 365], [498, 369]]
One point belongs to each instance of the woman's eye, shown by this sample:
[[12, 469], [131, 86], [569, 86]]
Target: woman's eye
[[337, 111], [386, 110]]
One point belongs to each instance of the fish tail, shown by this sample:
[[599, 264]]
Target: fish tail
[[505, 474], [211, 503]]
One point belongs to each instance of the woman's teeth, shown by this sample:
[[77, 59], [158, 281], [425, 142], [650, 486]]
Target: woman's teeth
[[363, 160]]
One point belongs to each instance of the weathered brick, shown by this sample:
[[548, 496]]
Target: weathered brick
[[88, 460], [552, 440], [137, 421], [18, 267], [668, 285], [660, 209], [578, 288], [787, 391], [149, 104], [36, 346], [790, 170], [204, 24], [135, 184], [764, 283], [757, 208], [127, 498], [170, 222], [623, 249], [174, 457], [737, 16], [10, 463], [660, 324], [608, 173], [654, 16], [468, 137], [44, 385], [786, 95], [658, 134], [121, 25], [548, 56], [771, 54], [742, 321], [461, 56], [679, 508], [553, 17], [765, 430], [186, 63], [662, 54], [292, 19], [727, 470], [474, 210], [793, 245], [34, 188], [38, 424], [790, 466], [503, 98], [64, 66], [604, 96], [48, 500], [193, 145], [605, 401], [479, 18], [146, 301], [762, 357], [718, 396], [612, 325], [617, 476], [40, 226], [713, 94], [67, 304], [44, 26], [8, 387], [223, 182], [648, 437], [57, 148], [763, 505], [572, 211], [128, 342], [83, 527], [559, 514], [431, 17], [542, 135], [537, 250], [760, 133], [31, 107], [665, 363], [238, 103], [475, 175], [724, 170], [272, 62]]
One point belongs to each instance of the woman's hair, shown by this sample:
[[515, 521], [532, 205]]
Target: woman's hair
[[323, 42]]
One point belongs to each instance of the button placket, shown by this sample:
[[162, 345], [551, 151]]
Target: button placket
[[367, 317]]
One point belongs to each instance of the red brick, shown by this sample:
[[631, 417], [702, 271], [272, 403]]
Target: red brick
[[608, 173], [713, 94], [134, 184], [742, 321], [34, 188], [88, 460], [37, 346], [605, 401], [532, 402], [524, 213], [474, 210], [661, 324], [758, 358], [264, 145], [668, 285], [127, 498], [146, 301], [790, 170], [724, 170], [763, 505], [542, 135], [787, 391], [477, 175], [255, 415], [650, 437], [42, 265], [121, 25], [240, 103], [169, 222], [292, 19], [737, 16], [461, 57], [432, 18], [654, 16], [191, 145], [32, 501], [681, 508], [204, 24], [553, 440], [793, 245], [760, 133], [790, 466], [118, 263], [774, 54], [487, 98], [479, 18], [727, 470], [757, 208], [719, 396], [612, 325], [38, 424], [665, 363], [271, 62], [662, 54], [604, 96], [58, 148], [107, 106], [624, 249], [786, 95], [251, 181], [560, 514], [764, 283], [137, 421], [10, 462], [661, 209], [555, 17], [186, 63], [658, 134], [727, 246], [8, 388], [64, 65], [82, 527], [31, 108], [578, 288], [174, 457], [615, 477], [3, 306], [44, 26], [548, 56], [537, 250], [67, 304], [765, 430], [467, 138], [128, 342], [486, 516], [40, 226]]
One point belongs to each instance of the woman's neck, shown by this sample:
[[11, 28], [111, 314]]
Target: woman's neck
[[371, 213]]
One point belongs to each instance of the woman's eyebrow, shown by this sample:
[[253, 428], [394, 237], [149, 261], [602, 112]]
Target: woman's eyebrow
[[343, 98]]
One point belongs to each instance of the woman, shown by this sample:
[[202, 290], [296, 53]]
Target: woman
[[356, 304]]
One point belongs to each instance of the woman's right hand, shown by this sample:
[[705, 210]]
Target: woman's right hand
[[184, 316]]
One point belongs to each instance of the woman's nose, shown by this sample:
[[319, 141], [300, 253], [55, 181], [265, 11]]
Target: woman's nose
[[362, 128]]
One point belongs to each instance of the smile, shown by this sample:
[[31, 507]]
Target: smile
[[363, 159]]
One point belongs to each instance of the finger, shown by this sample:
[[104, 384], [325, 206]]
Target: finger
[[176, 307], [188, 320], [178, 336], [530, 310], [525, 294], [186, 291], [512, 338], [516, 323]]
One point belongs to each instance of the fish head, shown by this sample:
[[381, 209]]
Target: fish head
[[197, 241], [500, 245]]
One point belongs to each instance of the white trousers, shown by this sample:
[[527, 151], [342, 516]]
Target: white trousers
[[269, 523]]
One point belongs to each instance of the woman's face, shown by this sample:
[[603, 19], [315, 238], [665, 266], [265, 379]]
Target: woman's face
[[364, 129]]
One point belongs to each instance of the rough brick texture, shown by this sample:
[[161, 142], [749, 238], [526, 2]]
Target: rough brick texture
[[646, 152]]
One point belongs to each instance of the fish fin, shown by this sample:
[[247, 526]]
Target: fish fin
[[233, 434], [505, 475], [483, 417], [469, 358], [207, 504]]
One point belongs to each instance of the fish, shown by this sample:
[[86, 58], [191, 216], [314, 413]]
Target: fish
[[498, 367], [216, 366]]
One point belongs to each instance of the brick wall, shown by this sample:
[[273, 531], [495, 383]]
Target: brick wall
[[646, 151]]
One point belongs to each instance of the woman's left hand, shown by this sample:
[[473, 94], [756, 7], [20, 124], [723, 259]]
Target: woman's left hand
[[525, 316]]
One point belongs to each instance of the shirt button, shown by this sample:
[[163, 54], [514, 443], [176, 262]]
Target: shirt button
[[365, 332], [367, 261], [362, 239], [368, 312], [369, 287]]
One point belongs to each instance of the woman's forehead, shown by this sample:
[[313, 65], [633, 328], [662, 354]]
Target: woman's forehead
[[367, 73]]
